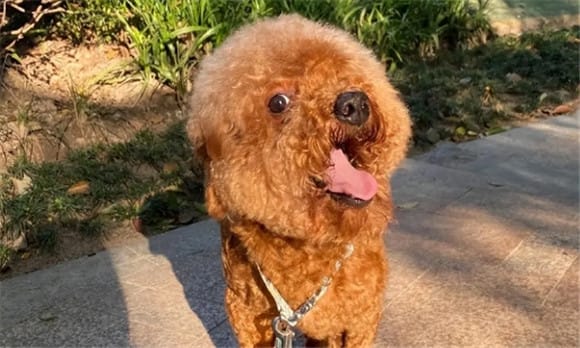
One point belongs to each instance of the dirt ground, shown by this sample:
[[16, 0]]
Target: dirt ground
[[62, 97]]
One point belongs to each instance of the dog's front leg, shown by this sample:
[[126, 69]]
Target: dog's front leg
[[362, 332], [251, 330]]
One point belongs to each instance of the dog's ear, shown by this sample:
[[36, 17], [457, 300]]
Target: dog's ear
[[202, 132], [196, 137]]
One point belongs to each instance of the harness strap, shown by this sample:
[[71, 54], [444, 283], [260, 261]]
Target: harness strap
[[286, 313]]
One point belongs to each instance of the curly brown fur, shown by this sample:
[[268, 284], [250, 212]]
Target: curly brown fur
[[266, 175]]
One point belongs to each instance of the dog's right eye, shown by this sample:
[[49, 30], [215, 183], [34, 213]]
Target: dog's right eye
[[279, 103]]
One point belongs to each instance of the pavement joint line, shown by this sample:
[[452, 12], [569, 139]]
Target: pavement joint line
[[514, 250], [557, 282], [453, 200], [407, 288]]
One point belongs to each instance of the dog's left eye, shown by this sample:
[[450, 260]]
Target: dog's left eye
[[279, 103]]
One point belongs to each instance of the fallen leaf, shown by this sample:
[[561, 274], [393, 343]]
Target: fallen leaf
[[47, 316], [494, 184], [19, 244], [460, 131], [21, 185], [465, 81], [513, 77], [562, 109], [80, 188], [25, 255], [408, 205], [170, 167]]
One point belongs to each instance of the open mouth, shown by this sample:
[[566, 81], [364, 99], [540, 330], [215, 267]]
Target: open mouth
[[345, 182], [348, 200]]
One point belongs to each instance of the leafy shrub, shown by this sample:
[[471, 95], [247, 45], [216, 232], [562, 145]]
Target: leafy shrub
[[92, 20], [470, 91], [6, 255], [171, 36]]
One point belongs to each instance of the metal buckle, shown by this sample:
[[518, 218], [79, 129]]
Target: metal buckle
[[283, 332]]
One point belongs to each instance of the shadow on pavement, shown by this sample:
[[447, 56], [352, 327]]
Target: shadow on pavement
[[485, 251], [74, 304], [195, 259]]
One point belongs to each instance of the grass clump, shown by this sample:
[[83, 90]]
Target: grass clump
[[87, 21], [99, 185], [169, 36]]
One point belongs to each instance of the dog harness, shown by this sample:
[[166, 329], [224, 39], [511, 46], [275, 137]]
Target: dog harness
[[287, 319]]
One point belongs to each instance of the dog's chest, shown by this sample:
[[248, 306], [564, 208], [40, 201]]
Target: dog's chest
[[353, 291]]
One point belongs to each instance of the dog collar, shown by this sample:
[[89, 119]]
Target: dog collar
[[287, 319]]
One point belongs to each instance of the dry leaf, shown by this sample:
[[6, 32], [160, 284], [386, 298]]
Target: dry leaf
[[494, 184], [513, 77], [138, 225], [21, 185], [562, 109], [408, 205], [19, 244], [80, 188], [47, 316], [170, 167]]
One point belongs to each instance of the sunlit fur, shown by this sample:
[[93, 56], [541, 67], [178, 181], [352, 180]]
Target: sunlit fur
[[262, 168]]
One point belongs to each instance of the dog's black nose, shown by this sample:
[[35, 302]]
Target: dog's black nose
[[352, 107]]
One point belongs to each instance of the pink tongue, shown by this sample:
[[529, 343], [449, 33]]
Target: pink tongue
[[344, 178]]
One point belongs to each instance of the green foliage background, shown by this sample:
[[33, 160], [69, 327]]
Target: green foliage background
[[171, 36]]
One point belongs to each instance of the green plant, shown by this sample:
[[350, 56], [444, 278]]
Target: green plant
[[91, 20], [97, 185], [169, 41], [6, 255], [79, 97], [466, 93], [171, 36]]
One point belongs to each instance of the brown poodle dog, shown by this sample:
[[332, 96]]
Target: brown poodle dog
[[299, 131]]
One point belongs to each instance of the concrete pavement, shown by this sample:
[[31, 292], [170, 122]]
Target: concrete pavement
[[484, 253]]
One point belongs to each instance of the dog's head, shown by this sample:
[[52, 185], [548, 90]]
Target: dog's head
[[299, 130]]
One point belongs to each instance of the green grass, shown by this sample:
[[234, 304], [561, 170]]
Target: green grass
[[170, 37], [464, 94], [100, 185]]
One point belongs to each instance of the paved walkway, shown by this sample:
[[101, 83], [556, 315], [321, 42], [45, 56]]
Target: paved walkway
[[485, 253]]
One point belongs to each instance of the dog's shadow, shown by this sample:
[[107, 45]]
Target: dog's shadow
[[194, 254]]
